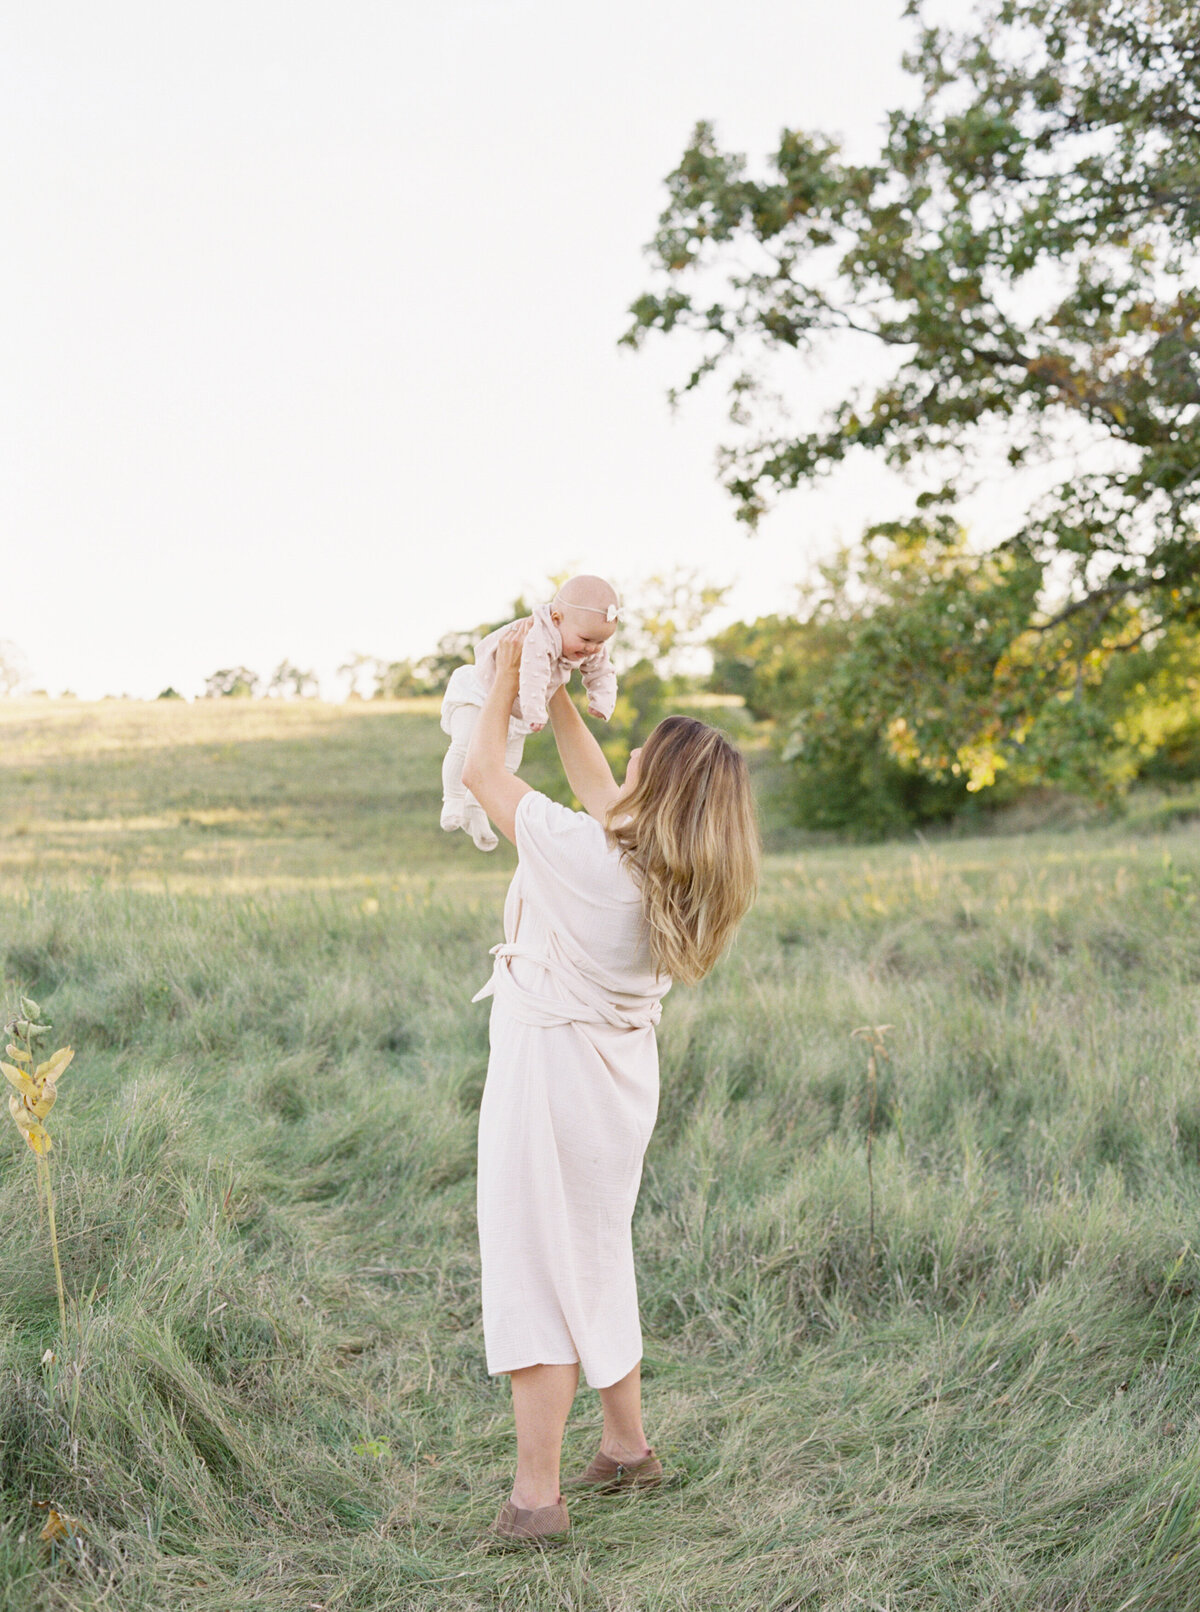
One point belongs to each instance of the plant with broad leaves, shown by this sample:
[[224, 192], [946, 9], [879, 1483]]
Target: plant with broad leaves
[[376, 1448], [35, 1095]]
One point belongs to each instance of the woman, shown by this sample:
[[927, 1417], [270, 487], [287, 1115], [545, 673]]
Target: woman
[[607, 906]]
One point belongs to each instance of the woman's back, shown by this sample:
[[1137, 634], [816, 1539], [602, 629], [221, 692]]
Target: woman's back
[[576, 903]]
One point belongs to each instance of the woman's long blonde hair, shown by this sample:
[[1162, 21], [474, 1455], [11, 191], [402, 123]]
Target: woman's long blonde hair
[[687, 831]]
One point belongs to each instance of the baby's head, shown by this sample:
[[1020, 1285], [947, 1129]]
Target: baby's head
[[585, 612]]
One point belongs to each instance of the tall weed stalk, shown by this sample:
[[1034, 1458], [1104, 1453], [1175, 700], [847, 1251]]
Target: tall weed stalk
[[873, 1035], [35, 1095]]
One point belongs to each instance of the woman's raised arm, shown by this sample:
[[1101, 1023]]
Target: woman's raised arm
[[484, 772], [588, 773]]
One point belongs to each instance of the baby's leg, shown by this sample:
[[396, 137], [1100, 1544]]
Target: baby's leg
[[460, 809], [475, 821], [454, 795]]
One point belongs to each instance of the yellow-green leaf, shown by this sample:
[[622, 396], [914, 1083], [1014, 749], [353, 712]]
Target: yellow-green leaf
[[46, 1101], [36, 1135], [53, 1067], [59, 1526], [18, 1053], [39, 1138], [18, 1078]]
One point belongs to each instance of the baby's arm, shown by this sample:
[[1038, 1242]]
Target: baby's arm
[[600, 681], [537, 653], [485, 657]]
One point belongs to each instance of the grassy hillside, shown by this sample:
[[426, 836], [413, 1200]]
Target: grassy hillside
[[272, 1395], [235, 795]]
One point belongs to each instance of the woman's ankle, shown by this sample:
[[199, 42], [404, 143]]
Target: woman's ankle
[[533, 1498], [623, 1450]]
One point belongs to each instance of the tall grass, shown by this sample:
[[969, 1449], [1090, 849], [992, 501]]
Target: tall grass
[[277, 1394]]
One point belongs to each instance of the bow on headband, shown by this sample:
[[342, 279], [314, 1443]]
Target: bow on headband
[[612, 613]]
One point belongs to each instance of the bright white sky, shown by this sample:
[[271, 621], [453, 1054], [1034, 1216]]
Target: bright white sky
[[311, 315]]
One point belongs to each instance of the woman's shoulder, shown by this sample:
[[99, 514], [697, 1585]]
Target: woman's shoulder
[[570, 843], [543, 815]]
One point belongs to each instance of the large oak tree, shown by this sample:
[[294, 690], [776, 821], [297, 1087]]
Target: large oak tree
[[1024, 250]]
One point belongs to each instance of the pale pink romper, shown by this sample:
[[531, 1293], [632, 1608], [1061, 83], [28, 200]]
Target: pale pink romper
[[569, 1104]]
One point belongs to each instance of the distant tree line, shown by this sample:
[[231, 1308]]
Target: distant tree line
[[241, 683], [661, 625], [659, 649]]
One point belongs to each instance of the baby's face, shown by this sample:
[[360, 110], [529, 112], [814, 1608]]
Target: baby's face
[[583, 631]]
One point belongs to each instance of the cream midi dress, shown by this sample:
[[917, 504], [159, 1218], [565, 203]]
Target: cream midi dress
[[569, 1103]]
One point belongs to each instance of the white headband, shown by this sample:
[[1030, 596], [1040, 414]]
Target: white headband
[[611, 613]]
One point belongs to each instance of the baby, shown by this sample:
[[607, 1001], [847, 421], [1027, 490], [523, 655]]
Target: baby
[[571, 631]]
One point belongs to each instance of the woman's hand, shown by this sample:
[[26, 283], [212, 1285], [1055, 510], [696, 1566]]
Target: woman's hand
[[509, 647]]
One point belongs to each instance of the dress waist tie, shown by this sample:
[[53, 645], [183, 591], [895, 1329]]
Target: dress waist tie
[[580, 1007]]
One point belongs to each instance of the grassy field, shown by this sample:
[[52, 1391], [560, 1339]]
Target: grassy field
[[272, 1393]]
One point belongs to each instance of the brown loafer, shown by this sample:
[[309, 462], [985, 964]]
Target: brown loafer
[[544, 1525], [608, 1476]]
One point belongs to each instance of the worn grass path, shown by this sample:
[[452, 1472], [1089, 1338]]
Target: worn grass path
[[273, 1394]]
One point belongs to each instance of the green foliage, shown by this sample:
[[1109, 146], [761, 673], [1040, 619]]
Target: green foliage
[[353, 670], [291, 681], [855, 788], [1024, 249], [775, 664], [663, 619], [642, 702], [923, 663], [232, 683], [1154, 694], [901, 688], [405, 678], [850, 783], [402, 680]]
